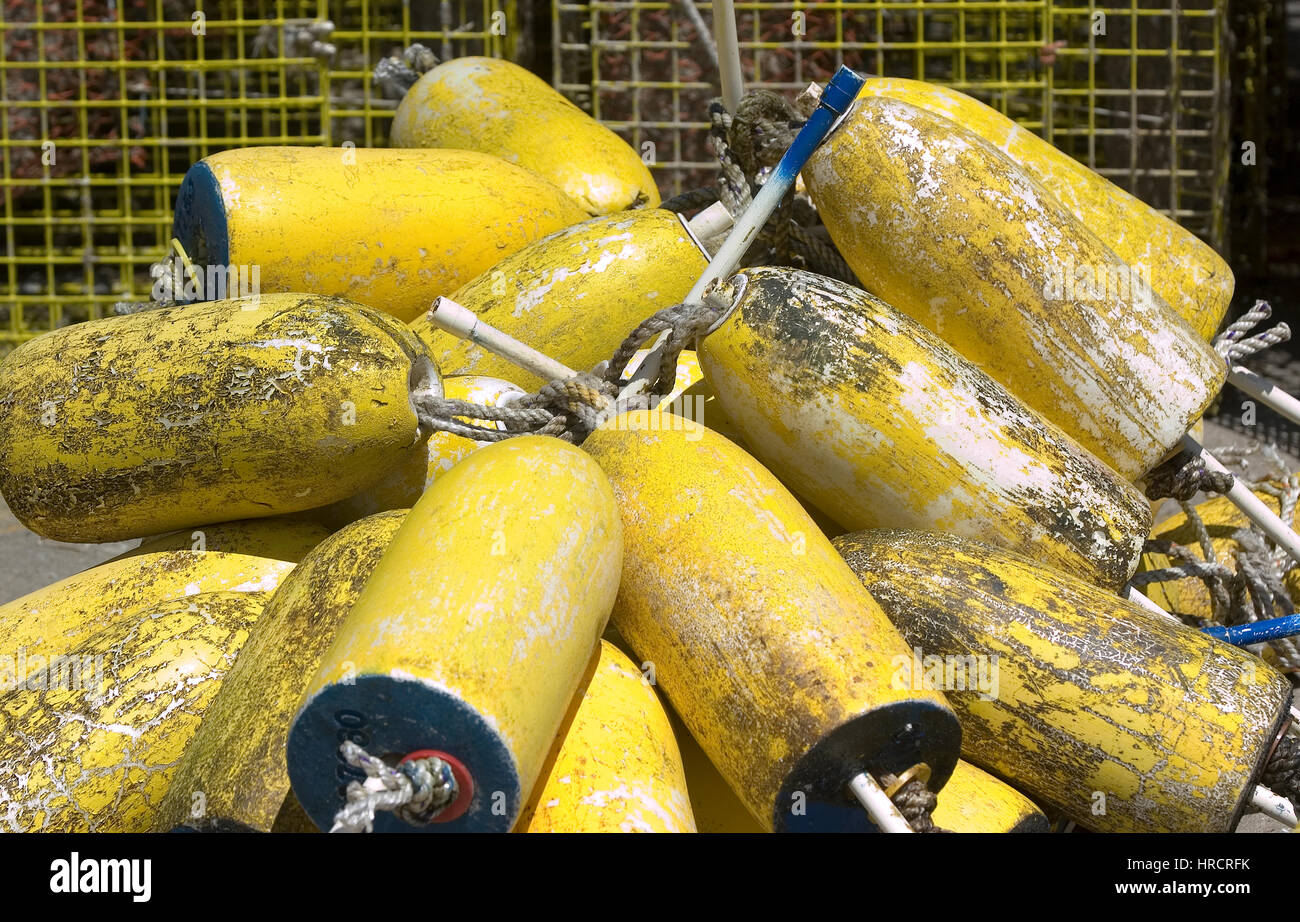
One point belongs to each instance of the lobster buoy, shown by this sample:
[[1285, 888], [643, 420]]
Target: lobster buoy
[[419, 465], [185, 416], [234, 768], [975, 801], [616, 767], [252, 556], [578, 292], [91, 741], [391, 229], [878, 423], [758, 634], [471, 636], [1185, 271], [498, 107], [1122, 720], [952, 232]]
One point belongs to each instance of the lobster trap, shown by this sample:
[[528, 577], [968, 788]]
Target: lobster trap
[[108, 102]]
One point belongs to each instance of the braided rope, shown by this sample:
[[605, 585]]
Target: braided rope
[[1281, 774], [415, 792], [1232, 347], [916, 802], [1185, 475], [396, 75]]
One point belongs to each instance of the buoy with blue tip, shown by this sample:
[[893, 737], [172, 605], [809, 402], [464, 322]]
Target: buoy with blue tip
[[465, 648]]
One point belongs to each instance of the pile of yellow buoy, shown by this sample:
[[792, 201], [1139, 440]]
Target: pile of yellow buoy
[[886, 557]]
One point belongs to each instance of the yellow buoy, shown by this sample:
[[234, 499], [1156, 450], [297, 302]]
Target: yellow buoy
[[975, 801], [757, 632], [471, 635], [90, 744], [576, 294], [1222, 521], [251, 556], [952, 232], [1185, 271], [616, 767], [416, 468], [1123, 720], [878, 423], [175, 418], [494, 106], [391, 229], [234, 768]]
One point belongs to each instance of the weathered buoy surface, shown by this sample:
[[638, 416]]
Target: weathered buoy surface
[[418, 466], [576, 294], [1184, 270], [878, 423], [472, 633], [1123, 720], [121, 427], [616, 766], [92, 745], [391, 229], [252, 556], [758, 634], [234, 768], [498, 107], [952, 232]]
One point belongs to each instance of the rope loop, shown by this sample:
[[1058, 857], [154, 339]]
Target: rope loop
[[415, 791]]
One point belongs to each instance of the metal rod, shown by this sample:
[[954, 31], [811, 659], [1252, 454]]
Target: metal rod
[[835, 101], [1274, 805], [1250, 504], [1256, 631], [878, 805], [1266, 392], [724, 34], [461, 322]]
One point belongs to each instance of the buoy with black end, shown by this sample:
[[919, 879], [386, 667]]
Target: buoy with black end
[[89, 744], [247, 556], [951, 231], [1183, 269], [185, 416], [418, 466], [391, 229], [1123, 720], [578, 292], [497, 107], [877, 422], [615, 766], [760, 636], [233, 770], [466, 646]]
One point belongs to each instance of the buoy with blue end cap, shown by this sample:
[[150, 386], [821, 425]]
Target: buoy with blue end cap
[[454, 670]]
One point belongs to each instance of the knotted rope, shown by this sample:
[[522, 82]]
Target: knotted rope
[[572, 408], [415, 792], [396, 74], [1281, 774], [1185, 475], [1232, 347], [1253, 588], [916, 802]]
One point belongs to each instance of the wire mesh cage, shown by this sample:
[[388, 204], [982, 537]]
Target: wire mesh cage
[[1135, 92], [108, 102]]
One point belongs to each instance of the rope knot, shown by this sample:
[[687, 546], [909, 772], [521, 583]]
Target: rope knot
[[415, 791], [1183, 476]]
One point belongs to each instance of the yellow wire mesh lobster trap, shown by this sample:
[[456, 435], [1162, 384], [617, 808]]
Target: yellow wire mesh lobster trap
[[1135, 91], [108, 102]]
